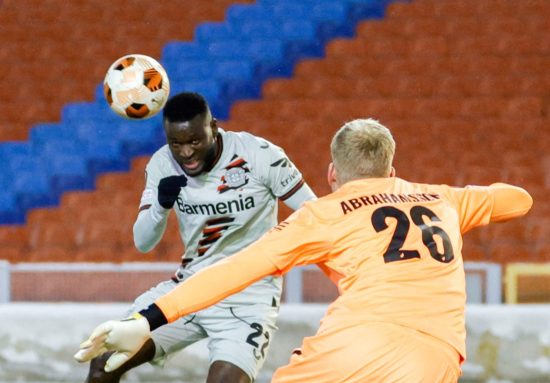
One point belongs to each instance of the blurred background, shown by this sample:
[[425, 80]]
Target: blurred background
[[463, 85]]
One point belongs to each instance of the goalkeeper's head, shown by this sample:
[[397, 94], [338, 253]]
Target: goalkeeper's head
[[191, 132], [361, 148]]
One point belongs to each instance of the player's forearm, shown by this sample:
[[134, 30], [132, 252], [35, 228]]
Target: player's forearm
[[208, 287], [149, 227], [509, 202]]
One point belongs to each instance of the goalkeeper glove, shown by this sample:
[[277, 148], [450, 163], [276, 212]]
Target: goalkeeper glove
[[168, 190], [125, 337]]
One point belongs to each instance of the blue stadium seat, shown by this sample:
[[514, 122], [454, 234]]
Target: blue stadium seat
[[55, 146], [106, 156], [44, 132], [227, 49], [371, 9], [24, 163], [286, 10], [90, 130], [258, 29], [211, 31], [180, 70], [238, 13], [233, 70], [14, 148], [180, 50], [10, 212], [298, 30], [209, 88], [87, 111], [34, 190], [140, 137], [69, 172], [266, 50], [332, 11]]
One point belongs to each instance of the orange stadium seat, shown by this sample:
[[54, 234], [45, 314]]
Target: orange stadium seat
[[52, 253], [74, 200], [121, 181], [542, 253], [14, 253], [13, 235], [45, 235], [472, 251], [506, 253], [98, 253], [111, 234], [50, 216]]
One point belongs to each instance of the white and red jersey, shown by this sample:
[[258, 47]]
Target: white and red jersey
[[224, 210]]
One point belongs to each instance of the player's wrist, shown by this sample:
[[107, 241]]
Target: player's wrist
[[158, 211], [154, 316]]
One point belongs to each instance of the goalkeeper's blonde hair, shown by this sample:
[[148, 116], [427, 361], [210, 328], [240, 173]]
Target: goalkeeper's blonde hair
[[362, 148]]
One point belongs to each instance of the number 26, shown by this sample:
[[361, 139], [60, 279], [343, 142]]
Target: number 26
[[395, 251]]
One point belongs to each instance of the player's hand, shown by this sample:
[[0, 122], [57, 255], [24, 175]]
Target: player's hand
[[169, 188], [125, 337]]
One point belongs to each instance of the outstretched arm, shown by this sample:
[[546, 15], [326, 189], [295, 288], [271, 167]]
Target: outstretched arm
[[509, 202], [499, 202]]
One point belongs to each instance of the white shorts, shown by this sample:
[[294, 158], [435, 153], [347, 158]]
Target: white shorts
[[239, 334]]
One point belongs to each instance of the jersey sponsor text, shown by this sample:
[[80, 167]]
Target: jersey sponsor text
[[222, 207]]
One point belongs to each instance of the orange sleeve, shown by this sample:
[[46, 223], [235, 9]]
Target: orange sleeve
[[293, 242], [479, 205]]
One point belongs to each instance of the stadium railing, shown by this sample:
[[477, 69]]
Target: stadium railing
[[111, 282]]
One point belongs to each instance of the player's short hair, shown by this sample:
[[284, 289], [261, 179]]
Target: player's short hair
[[362, 148], [184, 107]]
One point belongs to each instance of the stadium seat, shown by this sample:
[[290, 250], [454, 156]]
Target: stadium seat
[[239, 13], [51, 253], [542, 253], [34, 189], [14, 253], [211, 31], [177, 50], [43, 235], [506, 253], [195, 69], [10, 211]]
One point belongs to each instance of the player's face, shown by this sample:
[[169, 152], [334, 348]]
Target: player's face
[[193, 143]]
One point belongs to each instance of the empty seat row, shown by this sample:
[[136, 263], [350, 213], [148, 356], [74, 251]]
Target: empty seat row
[[441, 85], [396, 107], [472, 26], [437, 46], [472, 64], [467, 8]]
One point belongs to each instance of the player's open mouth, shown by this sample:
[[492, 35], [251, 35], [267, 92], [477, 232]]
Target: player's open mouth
[[191, 165]]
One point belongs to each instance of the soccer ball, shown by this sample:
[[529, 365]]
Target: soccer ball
[[136, 87]]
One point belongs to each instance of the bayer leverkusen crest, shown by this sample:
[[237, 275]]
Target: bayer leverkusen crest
[[236, 175]]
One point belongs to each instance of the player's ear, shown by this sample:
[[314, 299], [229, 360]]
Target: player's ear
[[214, 126], [392, 172], [331, 177]]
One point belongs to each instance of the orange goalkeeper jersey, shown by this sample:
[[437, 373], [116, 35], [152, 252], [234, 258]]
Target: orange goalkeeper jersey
[[392, 247]]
